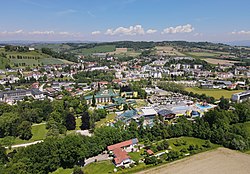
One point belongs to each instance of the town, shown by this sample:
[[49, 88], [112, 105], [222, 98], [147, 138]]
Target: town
[[146, 89]]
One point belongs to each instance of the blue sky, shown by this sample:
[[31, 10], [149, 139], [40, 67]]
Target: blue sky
[[109, 20]]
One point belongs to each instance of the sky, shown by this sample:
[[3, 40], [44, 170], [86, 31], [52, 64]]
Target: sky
[[112, 20]]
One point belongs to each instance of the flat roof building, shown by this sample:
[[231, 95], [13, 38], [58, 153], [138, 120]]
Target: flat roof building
[[240, 97]]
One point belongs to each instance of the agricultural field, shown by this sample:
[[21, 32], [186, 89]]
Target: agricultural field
[[167, 51], [31, 58], [220, 61], [121, 52], [220, 160], [55, 47], [96, 49], [216, 93]]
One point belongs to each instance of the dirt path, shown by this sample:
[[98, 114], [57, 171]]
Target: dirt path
[[219, 161], [25, 144]]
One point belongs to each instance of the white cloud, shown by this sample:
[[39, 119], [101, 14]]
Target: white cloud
[[132, 30], [39, 33], [151, 31], [242, 32], [12, 32], [96, 32], [42, 32], [179, 29]]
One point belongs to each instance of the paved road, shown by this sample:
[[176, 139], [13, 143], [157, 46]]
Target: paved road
[[25, 144]]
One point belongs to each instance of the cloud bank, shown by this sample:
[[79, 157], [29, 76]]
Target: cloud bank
[[131, 31], [178, 29]]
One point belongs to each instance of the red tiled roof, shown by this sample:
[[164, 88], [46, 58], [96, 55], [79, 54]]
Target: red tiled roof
[[150, 152], [121, 144], [120, 155]]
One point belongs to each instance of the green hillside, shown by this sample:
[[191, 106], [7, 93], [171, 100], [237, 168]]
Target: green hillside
[[96, 49], [29, 58]]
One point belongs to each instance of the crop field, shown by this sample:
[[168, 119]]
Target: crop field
[[216, 93], [97, 49], [51, 61], [204, 54], [220, 160], [220, 61], [168, 51]]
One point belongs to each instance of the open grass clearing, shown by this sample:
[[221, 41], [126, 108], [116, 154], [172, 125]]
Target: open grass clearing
[[39, 132], [101, 167], [216, 93], [63, 171], [104, 121]]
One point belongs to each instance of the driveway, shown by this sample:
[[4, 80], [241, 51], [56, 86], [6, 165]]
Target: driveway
[[100, 157]]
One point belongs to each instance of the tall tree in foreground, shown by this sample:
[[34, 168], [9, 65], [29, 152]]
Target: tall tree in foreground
[[224, 103], [24, 130], [85, 121], [70, 121], [93, 101]]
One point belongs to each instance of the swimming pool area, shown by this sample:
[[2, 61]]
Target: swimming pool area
[[203, 107]]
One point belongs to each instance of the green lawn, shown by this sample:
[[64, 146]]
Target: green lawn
[[62, 171], [141, 103], [216, 93], [78, 123], [102, 122], [39, 133], [189, 141], [102, 167], [136, 156]]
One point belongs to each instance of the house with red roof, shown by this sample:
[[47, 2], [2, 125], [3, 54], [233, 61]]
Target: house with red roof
[[120, 153]]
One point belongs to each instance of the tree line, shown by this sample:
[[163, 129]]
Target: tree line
[[178, 88]]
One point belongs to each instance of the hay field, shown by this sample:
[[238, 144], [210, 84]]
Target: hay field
[[221, 160], [220, 61]]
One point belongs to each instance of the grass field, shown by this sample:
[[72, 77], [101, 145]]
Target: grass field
[[136, 156], [62, 171], [216, 93], [39, 132], [31, 58], [97, 49], [189, 141], [102, 167], [103, 121]]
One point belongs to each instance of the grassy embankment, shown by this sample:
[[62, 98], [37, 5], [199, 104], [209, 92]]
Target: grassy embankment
[[216, 93]]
